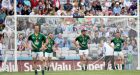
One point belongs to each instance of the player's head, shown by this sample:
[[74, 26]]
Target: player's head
[[83, 32], [118, 34], [36, 28], [50, 35]]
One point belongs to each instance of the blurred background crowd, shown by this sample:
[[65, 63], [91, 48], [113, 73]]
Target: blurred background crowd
[[7, 39], [7, 29], [77, 7]]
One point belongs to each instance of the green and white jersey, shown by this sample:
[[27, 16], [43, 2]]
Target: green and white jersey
[[50, 45], [37, 41], [83, 41], [118, 43]]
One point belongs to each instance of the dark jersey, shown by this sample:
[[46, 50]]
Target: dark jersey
[[50, 45], [118, 43], [37, 41], [83, 41]]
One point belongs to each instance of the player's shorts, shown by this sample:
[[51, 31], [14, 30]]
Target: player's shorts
[[48, 54], [84, 52], [118, 54], [37, 54]]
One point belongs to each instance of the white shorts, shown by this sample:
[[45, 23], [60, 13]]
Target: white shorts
[[118, 54], [37, 54], [84, 52], [48, 54]]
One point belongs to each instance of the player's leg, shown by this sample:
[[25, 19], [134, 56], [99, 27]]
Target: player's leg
[[122, 61], [112, 62], [47, 60], [86, 52], [34, 56], [50, 60], [115, 60], [106, 62], [81, 59], [41, 58]]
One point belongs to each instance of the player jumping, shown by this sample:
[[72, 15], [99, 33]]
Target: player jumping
[[37, 42], [83, 41], [118, 43]]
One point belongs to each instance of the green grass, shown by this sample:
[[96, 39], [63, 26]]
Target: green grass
[[101, 72]]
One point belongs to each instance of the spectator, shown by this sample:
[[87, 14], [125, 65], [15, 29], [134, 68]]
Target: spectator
[[20, 43], [68, 6], [58, 30], [132, 33], [6, 4], [123, 11], [59, 41], [133, 8], [117, 9], [25, 11], [56, 5], [96, 38], [34, 3], [67, 43]]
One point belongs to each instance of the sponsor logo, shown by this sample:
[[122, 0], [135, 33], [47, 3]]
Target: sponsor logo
[[55, 66]]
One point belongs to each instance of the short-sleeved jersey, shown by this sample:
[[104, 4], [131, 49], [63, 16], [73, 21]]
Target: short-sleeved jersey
[[83, 41], [50, 45], [37, 41], [118, 43]]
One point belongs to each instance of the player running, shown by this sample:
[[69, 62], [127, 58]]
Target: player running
[[118, 43], [50, 48], [37, 45], [83, 41]]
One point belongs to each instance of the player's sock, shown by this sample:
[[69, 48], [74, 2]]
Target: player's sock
[[45, 68], [36, 73], [82, 66], [85, 67], [117, 67], [48, 68], [122, 66], [42, 72]]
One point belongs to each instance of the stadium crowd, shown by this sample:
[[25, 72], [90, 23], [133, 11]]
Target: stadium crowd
[[6, 9], [77, 7]]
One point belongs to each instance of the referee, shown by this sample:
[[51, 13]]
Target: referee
[[108, 49]]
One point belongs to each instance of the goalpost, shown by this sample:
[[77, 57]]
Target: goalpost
[[9, 55]]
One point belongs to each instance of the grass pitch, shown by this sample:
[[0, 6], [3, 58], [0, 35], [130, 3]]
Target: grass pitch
[[101, 72]]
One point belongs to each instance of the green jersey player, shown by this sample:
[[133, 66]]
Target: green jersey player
[[118, 43], [50, 48], [83, 41], [37, 43]]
